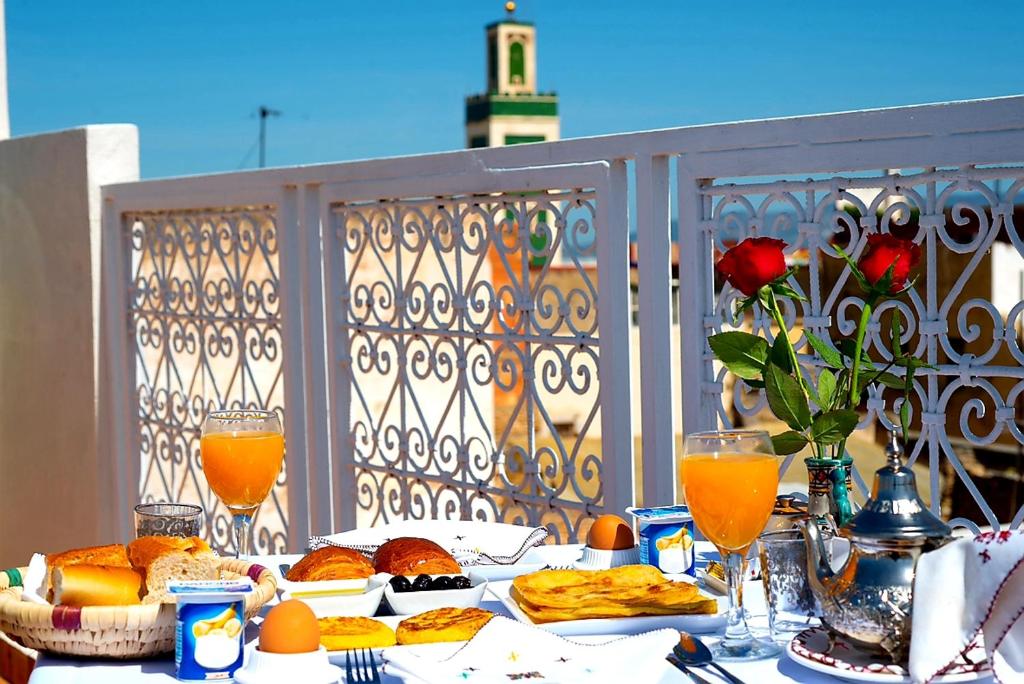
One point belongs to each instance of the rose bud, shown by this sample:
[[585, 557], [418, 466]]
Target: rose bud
[[753, 263], [884, 250]]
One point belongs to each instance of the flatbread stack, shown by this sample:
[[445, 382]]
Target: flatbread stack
[[626, 591]]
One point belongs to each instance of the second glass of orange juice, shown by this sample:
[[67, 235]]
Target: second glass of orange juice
[[730, 479], [242, 454]]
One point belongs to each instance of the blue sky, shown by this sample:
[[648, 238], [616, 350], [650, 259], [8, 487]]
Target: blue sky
[[369, 79]]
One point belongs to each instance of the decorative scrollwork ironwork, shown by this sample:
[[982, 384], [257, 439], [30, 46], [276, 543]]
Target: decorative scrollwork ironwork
[[950, 318], [206, 333], [471, 328]]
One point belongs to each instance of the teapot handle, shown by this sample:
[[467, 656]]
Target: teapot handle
[[840, 496]]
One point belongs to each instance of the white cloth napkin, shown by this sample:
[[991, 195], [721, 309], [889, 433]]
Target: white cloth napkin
[[969, 590], [470, 542], [505, 650], [33, 582]]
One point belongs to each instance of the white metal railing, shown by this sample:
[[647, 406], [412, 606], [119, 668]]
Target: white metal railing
[[344, 294]]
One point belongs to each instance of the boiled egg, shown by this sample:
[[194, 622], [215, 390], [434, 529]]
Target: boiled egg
[[610, 533], [290, 627]]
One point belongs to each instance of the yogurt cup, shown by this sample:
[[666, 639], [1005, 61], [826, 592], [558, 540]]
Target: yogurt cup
[[666, 538], [209, 628]]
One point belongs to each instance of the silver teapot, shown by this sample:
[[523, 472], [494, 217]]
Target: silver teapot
[[869, 600]]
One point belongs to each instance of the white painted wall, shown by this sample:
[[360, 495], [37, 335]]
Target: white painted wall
[[49, 272]]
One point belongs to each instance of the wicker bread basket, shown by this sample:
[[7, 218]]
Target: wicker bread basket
[[110, 631]]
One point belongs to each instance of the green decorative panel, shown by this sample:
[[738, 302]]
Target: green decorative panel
[[480, 108], [517, 139], [516, 64]]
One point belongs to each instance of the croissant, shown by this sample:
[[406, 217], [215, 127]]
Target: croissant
[[330, 563], [414, 556]]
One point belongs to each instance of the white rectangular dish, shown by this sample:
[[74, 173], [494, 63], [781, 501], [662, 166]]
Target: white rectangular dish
[[695, 624]]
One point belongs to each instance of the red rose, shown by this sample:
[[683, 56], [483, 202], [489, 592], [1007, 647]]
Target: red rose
[[884, 250], [753, 263]]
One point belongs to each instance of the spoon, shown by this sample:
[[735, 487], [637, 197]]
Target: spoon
[[692, 651]]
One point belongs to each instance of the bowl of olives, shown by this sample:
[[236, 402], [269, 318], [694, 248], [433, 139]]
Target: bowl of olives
[[414, 595]]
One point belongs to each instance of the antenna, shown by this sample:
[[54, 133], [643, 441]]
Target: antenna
[[264, 113]]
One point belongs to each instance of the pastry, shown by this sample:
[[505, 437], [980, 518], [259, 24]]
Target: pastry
[[161, 559], [344, 633], [414, 556], [553, 595], [330, 563], [442, 624], [95, 585]]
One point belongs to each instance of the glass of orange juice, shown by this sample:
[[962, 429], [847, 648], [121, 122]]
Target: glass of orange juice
[[242, 453], [730, 479]]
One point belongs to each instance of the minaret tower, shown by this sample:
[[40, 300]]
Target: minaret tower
[[511, 111]]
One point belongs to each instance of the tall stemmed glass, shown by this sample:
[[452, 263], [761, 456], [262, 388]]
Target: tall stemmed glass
[[242, 453], [730, 479]]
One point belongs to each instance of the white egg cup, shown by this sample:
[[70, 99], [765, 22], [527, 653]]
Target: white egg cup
[[273, 668], [602, 559]]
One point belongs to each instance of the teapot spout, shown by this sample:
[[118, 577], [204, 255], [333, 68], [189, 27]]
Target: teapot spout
[[819, 571]]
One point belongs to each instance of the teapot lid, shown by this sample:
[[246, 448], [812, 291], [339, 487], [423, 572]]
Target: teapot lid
[[895, 510]]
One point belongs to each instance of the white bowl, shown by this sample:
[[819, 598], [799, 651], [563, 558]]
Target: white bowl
[[272, 668], [601, 559], [353, 585], [327, 604], [416, 602]]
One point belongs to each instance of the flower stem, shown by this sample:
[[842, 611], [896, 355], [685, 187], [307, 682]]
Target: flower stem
[[862, 328], [776, 312]]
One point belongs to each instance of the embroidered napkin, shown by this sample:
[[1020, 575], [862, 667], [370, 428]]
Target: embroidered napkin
[[505, 650], [470, 542], [970, 589]]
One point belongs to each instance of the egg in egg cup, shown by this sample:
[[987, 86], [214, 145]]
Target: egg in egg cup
[[289, 649], [610, 543]]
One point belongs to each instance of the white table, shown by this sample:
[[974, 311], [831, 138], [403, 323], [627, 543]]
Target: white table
[[56, 670]]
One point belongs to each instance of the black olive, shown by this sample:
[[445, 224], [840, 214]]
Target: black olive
[[421, 583], [443, 583], [400, 584], [461, 583]]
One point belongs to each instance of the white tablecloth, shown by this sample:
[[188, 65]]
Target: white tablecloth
[[55, 670]]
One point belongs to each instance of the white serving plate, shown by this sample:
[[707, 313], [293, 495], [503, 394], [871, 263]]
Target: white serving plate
[[416, 602], [363, 604], [695, 624]]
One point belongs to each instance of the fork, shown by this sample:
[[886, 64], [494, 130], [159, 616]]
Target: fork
[[361, 667]]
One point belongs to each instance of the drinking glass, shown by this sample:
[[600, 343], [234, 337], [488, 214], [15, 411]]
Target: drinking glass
[[792, 607], [730, 479], [167, 519], [242, 453]]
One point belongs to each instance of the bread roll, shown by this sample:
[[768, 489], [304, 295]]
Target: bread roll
[[161, 559], [111, 555], [414, 556], [330, 563], [95, 585]]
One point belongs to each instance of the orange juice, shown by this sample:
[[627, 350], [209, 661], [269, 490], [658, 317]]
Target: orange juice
[[730, 496], [241, 467]]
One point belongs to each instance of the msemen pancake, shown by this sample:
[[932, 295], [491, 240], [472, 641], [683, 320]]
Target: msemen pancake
[[344, 633], [442, 624], [554, 595]]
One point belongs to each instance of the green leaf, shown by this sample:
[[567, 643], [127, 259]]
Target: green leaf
[[742, 353], [884, 283], [834, 426], [861, 280], [826, 388], [905, 418], [788, 442], [848, 347], [895, 333], [909, 362], [744, 306], [889, 380], [781, 289], [786, 399], [780, 354], [824, 350], [754, 384]]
